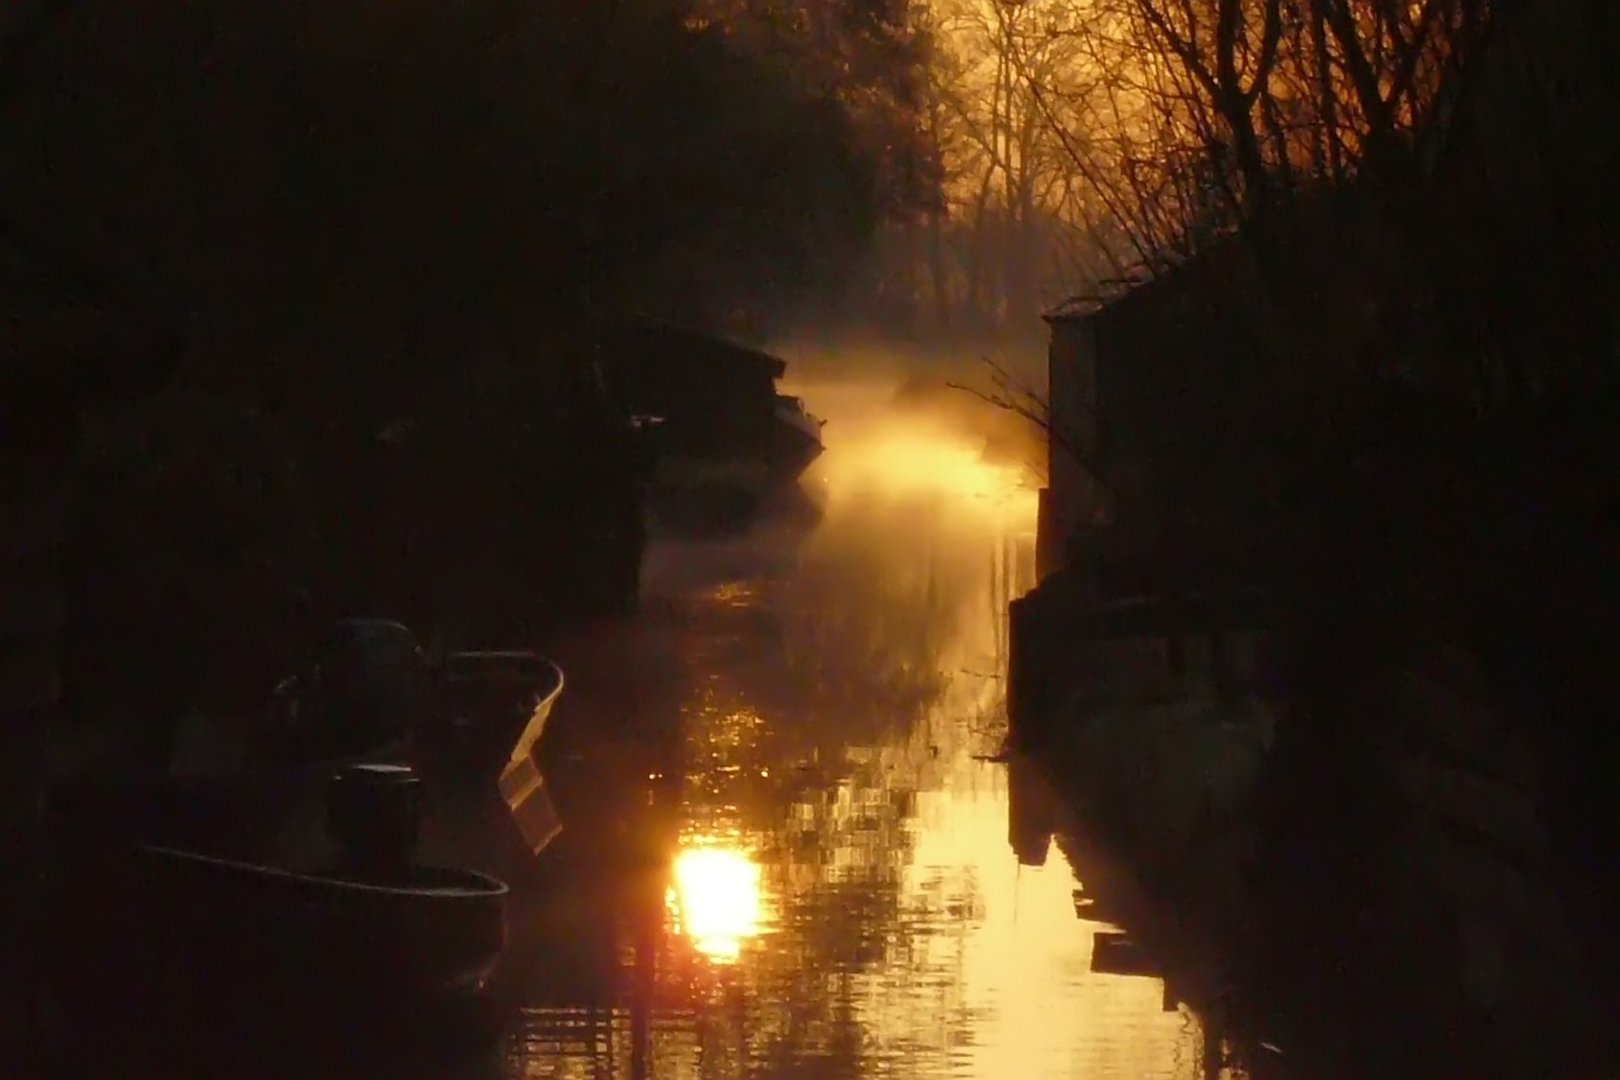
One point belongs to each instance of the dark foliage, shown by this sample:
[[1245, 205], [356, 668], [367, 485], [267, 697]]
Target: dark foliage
[[371, 224], [407, 174]]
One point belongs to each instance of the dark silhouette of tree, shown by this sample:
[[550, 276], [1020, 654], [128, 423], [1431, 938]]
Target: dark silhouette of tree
[[378, 222], [405, 176]]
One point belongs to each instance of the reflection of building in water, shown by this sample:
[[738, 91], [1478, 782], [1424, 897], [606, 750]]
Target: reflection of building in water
[[1030, 822]]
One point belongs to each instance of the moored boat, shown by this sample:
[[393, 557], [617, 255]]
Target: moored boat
[[722, 436], [467, 718], [277, 876], [493, 704], [157, 937], [493, 712], [795, 440]]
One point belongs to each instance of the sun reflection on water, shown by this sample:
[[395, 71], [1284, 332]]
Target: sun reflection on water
[[715, 900]]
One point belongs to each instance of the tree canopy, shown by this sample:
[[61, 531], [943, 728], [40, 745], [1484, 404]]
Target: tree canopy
[[405, 176]]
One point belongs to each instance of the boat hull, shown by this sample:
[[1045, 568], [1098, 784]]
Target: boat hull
[[757, 466], [162, 939], [496, 705], [522, 786], [795, 441]]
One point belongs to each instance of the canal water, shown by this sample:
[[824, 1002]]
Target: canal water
[[790, 847]]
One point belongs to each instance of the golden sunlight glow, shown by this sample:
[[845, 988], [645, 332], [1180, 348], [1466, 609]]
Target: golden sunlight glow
[[716, 900], [910, 458]]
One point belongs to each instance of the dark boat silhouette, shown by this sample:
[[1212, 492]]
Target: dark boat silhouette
[[467, 720], [495, 706], [722, 438], [795, 439], [286, 885]]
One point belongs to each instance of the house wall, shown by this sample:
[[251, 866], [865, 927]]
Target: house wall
[[1071, 498], [1191, 374], [1135, 380]]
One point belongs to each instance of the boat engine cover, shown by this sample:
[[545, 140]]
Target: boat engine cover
[[374, 812]]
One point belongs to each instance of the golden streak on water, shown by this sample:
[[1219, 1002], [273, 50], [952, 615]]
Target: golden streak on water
[[716, 900]]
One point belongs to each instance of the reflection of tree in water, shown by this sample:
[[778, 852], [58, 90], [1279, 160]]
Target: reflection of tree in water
[[878, 599]]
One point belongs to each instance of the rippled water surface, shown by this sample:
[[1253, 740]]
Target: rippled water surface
[[787, 851]]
